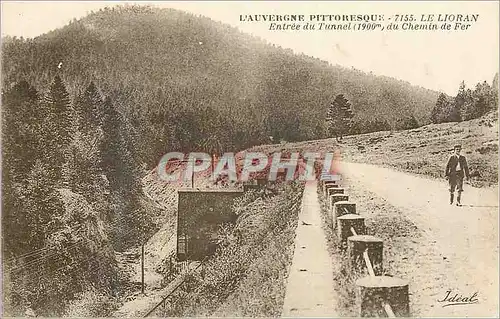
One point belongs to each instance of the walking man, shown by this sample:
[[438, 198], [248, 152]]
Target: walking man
[[456, 169]]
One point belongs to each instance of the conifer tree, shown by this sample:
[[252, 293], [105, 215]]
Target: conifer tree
[[483, 99], [340, 117], [110, 143], [446, 110], [85, 149], [494, 91], [20, 150], [437, 113], [120, 168], [58, 129], [21, 122], [468, 110], [459, 104], [60, 108], [89, 109]]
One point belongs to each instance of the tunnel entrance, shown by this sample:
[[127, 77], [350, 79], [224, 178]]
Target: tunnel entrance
[[200, 213]]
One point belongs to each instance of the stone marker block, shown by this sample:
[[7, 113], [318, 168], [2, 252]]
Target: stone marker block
[[331, 183], [345, 222], [333, 191], [374, 292], [324, 189], [327, 185], [356, 245], [342, 207], [337, 198], [332, 200]]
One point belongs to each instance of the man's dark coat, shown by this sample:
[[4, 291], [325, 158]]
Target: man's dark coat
[[452, 164]]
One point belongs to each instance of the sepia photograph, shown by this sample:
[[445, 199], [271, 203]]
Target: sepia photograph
[[309, 159]]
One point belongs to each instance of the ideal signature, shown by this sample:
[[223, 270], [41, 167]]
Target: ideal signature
[[453, 299]]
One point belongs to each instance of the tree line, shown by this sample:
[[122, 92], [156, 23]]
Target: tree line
[[340, 121], [468, 104]]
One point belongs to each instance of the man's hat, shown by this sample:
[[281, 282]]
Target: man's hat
[[457, 146]]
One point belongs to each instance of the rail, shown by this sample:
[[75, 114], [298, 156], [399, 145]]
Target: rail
[[163, 301]]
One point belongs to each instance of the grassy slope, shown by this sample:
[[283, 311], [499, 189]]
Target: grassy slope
[[262, 291], [424, 150]]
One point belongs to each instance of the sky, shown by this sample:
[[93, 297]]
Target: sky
[[437, 60]]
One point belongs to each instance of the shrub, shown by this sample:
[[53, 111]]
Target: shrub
[[91, 303]]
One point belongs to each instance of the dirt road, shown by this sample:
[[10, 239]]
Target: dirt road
[[458, 251]]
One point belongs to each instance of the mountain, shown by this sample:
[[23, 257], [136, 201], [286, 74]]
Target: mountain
[[179, 79]]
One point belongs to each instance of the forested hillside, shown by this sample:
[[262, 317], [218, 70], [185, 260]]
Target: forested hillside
[[88, 109], [71, 196], [168, 71]]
